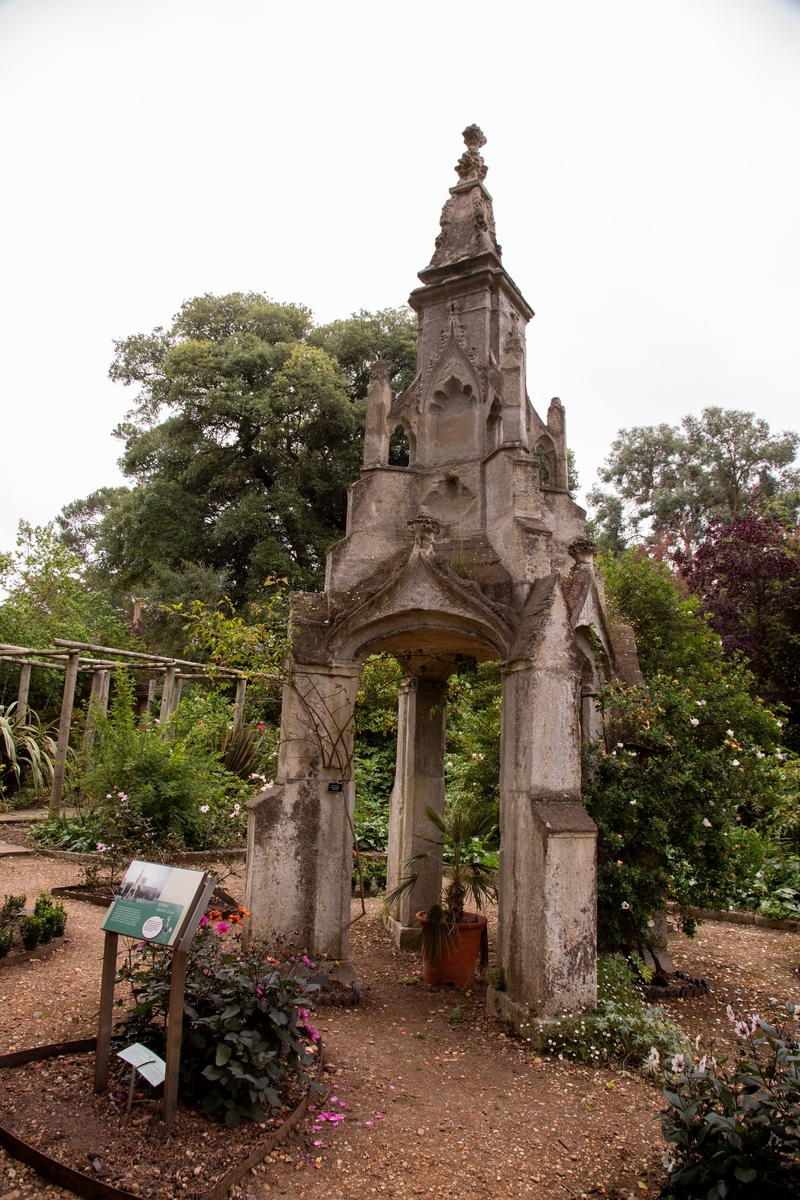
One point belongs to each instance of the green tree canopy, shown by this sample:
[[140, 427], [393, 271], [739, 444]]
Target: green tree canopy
[[683, 762], [245, 432], [668, 481]]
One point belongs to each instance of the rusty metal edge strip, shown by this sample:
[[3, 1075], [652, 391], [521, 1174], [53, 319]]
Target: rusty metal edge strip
[[221, 1188], [94, 1189], [21, 956]]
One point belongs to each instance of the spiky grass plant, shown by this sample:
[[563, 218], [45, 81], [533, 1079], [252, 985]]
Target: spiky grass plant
[[27, 751]]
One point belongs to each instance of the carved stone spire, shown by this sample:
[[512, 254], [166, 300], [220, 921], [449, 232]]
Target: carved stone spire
[[467, 218], [471, 164]]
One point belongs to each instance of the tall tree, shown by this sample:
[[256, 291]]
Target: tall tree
[[244, 436], [669, 482]]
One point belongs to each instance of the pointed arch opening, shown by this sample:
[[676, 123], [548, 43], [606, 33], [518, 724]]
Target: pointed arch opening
[[494, 426], [399, 448]]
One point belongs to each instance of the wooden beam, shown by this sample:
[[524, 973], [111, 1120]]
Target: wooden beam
[[156, 658], [67, 700]]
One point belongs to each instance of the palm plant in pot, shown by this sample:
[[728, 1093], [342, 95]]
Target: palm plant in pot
[[453, 940]]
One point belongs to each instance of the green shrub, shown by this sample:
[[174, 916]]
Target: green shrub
[[6, 942], [372, 830], [52, 915], [79, 834], [246, 1032], [735, 1132], [147, 787], [621, 1027], [12, 906], [31, 932]]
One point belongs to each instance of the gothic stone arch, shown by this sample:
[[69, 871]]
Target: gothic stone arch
[[461, 551]]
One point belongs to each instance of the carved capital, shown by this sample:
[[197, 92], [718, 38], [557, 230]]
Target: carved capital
[[583, 551]]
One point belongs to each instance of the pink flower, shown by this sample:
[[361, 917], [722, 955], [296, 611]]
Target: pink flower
[[378, 1116], [368, 1122], [101, 848], [318, 1142], [308, 962], [222, 926], [203, 921]]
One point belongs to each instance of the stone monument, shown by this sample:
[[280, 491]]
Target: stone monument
[[474, 550]]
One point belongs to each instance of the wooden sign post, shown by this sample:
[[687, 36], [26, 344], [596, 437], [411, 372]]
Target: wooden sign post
[[160, 904]]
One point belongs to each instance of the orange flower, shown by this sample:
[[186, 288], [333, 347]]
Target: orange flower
[[234, 919], [244, 911], [276, 961]]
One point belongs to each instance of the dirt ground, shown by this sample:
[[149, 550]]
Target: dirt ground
[[437, 1101]]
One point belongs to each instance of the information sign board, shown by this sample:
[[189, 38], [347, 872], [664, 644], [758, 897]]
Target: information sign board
[[155, 902]]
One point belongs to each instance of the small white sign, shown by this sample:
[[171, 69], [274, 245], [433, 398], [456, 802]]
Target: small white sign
[[149, 1065], [152, 927]]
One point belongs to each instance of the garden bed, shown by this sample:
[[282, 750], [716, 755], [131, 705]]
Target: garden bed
[[21, 956], [52, 1119]]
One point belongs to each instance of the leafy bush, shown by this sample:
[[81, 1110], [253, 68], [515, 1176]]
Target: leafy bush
[[52, 914], [78, 834], [372, 830], [6, 942], [246, 1033], [31, 932], [147, 787], [622, 1026], [735, 1132], [683, 763]]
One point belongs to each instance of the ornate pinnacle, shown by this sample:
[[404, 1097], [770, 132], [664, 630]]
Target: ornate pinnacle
[[471, 164]]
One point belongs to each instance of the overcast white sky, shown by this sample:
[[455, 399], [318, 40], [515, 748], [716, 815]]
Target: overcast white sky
[[643, 160]]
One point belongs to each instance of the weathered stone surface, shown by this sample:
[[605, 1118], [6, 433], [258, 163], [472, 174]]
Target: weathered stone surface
[[474, 549]]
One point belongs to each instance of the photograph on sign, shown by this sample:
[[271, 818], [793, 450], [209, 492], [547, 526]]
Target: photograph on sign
[[152, 901]]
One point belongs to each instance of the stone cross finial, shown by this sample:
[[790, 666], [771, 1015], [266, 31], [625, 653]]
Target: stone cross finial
[[471, 164], [425, 529]]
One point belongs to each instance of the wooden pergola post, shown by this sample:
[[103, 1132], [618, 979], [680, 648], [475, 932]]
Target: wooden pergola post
[[238, 705], [151, 692], [166, 695], [67, 700], [24, 688], [96, 705], [177, 688]]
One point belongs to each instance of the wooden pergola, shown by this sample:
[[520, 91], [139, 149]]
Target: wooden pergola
[[74, 657]]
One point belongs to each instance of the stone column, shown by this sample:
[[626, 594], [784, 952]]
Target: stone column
[[419, 781], [548, 921], [299, 839]]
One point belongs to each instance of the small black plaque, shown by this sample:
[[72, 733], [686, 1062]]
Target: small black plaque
[[335, 785]]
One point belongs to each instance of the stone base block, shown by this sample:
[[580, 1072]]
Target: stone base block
[[405, 937], [518, 1017], [345, 972]]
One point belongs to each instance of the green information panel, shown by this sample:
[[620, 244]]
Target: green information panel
[[154, 902]]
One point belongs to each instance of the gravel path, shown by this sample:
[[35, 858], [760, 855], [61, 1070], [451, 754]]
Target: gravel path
[[437, 1101]]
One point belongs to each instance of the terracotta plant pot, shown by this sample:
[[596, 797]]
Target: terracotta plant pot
[[456, 967]]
